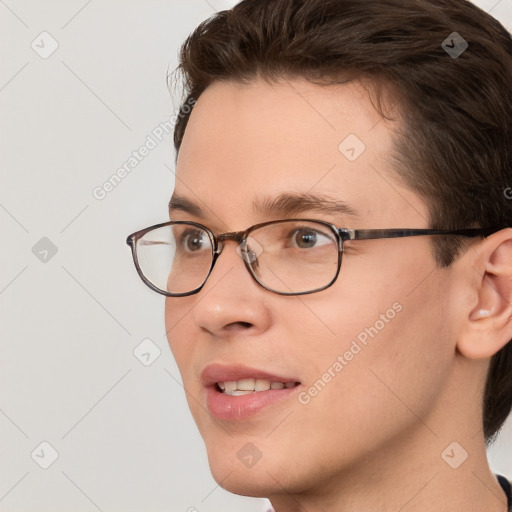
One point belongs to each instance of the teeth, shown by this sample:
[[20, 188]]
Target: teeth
[[262, 385], [229, 387], [247, 386]]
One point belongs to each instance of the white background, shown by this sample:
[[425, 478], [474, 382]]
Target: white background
[[124, 437]]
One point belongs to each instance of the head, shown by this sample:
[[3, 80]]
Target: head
[[358, 104]]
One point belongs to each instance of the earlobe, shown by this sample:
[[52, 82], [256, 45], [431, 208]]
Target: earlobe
[[480, 313], [488, 327]]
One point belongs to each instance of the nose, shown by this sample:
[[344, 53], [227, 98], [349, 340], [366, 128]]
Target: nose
[[231, 302]]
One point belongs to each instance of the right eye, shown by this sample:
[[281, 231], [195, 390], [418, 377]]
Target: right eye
[[194, 240]]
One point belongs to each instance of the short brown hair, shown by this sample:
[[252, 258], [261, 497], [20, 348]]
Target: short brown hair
[[454, 145]]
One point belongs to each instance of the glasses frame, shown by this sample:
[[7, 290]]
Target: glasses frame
[[342, 235]]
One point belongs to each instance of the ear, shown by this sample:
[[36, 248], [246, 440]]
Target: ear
[[488, 327]]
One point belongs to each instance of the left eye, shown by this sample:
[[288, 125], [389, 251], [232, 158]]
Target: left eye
[[308, 238]]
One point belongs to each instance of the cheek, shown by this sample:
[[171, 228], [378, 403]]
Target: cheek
[[177, 326], [387, 343], [172, 308]]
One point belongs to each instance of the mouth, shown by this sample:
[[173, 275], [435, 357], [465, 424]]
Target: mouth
[[251, 385], [240, 392]]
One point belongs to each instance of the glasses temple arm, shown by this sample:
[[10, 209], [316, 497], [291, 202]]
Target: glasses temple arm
[[368, 234]]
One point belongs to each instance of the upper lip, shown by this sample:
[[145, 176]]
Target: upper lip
[[215, 372]]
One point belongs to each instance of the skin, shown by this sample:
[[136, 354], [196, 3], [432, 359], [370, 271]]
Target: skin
[[372, 439]]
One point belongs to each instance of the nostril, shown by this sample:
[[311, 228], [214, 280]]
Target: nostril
[[236, 325]]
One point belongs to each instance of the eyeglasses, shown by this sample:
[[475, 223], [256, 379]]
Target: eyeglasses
[[287, 257]]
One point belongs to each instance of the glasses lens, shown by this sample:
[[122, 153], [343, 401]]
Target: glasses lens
[[175, 258], [294, 256]]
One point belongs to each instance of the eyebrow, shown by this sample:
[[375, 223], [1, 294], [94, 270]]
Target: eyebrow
[[298, 203], [182, 204], [283, 205]]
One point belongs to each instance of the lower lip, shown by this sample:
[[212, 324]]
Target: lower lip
[[227, 407]]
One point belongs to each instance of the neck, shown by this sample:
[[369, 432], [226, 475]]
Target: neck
[[412, 473]]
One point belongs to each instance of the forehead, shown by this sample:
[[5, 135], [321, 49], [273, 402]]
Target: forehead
[[256, 140]]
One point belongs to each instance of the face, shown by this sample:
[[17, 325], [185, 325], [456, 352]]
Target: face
[[349, 356]]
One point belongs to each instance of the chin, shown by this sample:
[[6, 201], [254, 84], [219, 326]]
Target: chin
[[233, 469], [239, 467], [252, 483]]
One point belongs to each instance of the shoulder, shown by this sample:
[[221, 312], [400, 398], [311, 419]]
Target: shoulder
[[507, 488]]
